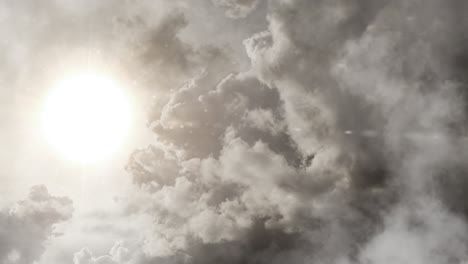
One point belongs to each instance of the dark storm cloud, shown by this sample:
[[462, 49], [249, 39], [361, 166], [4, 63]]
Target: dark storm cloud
[[26, 226]]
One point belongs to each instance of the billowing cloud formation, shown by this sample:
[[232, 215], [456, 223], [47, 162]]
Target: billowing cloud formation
[[118, 254], [342, 143], [26, 226], [343, 140]]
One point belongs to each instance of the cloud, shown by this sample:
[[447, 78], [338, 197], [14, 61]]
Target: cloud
[[237, 8], [368, 105], [342, 142], [27, 225], [430, 233], [197, 115], [117, 255]]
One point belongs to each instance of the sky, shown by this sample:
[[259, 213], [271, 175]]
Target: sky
[[262, 131]]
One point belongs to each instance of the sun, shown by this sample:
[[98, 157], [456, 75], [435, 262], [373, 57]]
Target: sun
[[86, 117]]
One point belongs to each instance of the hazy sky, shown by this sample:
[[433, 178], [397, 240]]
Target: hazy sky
[[263, 131]]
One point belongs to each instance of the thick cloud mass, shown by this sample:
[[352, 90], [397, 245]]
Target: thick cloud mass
[[25, 227], [343, 144], [342, 141]]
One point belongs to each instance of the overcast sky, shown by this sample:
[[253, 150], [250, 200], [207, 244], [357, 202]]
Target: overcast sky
[[264, 131]]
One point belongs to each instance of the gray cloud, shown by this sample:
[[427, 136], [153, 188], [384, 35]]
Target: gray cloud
[[342, 142], [237, 8], [336, 66], [429, 232], [26, 226]]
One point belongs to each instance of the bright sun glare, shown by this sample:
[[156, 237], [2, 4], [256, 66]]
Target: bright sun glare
[[86, 117]]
